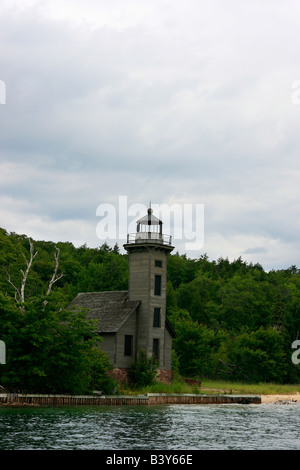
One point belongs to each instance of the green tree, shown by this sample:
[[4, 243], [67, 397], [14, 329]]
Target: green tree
[[195, 295], [143, 371], [196, 346], [50, 349], [259, 356]]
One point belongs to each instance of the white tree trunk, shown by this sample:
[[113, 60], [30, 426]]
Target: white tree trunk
[[25, 275], [55, 277], [20, 293]]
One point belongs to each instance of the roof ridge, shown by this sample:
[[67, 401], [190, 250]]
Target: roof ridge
[[110, 308]]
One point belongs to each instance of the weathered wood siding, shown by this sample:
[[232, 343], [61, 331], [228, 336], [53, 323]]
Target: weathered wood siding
[[129, 328], [108, 345], [167, 352], [142, 271]]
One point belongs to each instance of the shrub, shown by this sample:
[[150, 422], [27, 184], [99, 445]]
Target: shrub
[[143, 370]]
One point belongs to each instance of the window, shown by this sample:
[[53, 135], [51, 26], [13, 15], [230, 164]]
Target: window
[[128, 340], [157, 285], [158, 263], [156, 317], [155, 348]]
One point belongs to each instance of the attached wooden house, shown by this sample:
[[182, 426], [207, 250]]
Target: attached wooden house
[[136, 319]]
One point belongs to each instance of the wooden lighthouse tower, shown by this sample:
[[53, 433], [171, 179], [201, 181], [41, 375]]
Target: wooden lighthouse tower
[[148, 249]]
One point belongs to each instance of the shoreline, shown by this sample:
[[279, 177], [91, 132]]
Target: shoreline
[[147, 399], [266, 398], [17, 399], [295, 397]]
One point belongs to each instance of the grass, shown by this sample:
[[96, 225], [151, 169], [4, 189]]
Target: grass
[[255, 389], [177, 386], [215, 387]]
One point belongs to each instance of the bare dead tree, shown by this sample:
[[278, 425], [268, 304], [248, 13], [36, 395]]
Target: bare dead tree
[[55, 277], [29, 264], [17, 291], [20, 293]]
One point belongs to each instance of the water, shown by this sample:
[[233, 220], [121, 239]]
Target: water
[[170, 427]]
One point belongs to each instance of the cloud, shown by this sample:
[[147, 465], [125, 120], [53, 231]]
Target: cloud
[[258, 249], [170, 102]]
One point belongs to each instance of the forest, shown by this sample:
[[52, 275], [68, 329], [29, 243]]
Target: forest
[[233, 320]]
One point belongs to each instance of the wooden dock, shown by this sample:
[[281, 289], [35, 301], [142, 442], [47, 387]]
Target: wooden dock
[[17, 399]]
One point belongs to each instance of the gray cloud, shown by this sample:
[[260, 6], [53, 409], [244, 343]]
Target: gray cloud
[[171, 102], [258, 249]]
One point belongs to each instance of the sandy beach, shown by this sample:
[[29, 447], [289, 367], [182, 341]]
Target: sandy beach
[[283, 398], [294, 397]]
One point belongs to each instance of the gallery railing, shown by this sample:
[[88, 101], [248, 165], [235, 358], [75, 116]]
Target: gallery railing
[[149, 237]]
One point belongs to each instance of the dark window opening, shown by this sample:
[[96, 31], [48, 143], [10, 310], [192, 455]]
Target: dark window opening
[[158, 263], [156, 317], [128, 345], [156, 349], [157, 285]]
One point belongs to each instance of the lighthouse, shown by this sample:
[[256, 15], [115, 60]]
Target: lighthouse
[[135, 319], [148, 250]]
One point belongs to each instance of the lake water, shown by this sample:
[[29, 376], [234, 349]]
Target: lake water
[[170, 427]]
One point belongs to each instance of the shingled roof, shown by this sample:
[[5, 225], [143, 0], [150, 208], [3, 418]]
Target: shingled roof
[[110, 308]]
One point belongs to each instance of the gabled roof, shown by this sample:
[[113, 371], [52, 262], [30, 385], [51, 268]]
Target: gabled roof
[[110, 308]]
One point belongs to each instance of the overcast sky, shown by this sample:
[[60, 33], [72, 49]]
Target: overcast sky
[[191, 102]]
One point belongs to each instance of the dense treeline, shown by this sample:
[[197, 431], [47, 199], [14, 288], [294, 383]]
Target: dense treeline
[[233, 320], [84, 269]]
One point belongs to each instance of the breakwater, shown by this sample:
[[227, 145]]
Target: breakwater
[[18, 399]]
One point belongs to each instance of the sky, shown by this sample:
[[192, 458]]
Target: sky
[[193, 105]]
